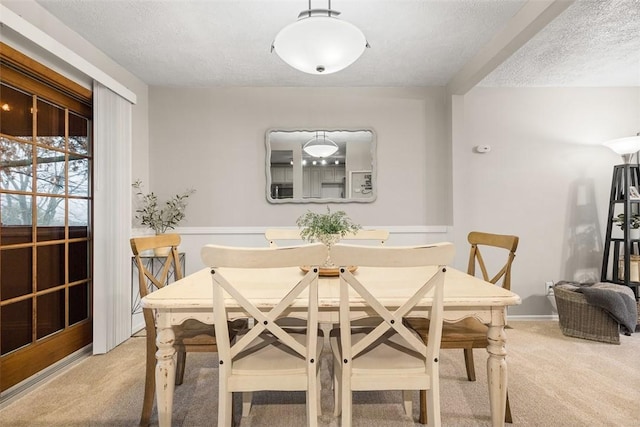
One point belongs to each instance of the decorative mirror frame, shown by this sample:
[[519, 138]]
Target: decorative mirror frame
[[348, 174]]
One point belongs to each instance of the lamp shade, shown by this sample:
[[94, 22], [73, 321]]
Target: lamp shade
[[319, 44], [320, 147], [622, 146]]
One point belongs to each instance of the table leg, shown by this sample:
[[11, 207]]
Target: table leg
[[497, 368], [165, 370]]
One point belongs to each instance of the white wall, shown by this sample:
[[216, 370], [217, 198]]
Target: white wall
[[214, 140], [547, 178]]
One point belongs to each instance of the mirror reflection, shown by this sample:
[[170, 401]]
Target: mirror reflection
[[320, 165]]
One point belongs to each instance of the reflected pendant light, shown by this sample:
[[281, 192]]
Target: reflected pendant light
[[320, 146], [319, 43]]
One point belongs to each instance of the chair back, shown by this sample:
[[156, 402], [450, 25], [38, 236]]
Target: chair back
[[275, 234], [437, 255], [149, 281], [221, 259], [501, 241], [380, 236]]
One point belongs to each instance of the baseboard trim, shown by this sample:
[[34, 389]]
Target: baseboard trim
[[23, 387]]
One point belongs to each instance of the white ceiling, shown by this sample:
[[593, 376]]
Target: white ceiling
[[413, 42]]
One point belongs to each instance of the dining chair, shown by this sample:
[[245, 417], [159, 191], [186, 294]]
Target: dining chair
[[388, 356], [273, 235], [191, 336], [267, 355], [470, 333]]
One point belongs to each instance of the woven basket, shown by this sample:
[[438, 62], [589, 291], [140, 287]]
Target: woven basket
[[582, 320]]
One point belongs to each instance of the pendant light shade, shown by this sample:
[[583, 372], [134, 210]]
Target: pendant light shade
[[626, 147], [319, 43], [320, 146]]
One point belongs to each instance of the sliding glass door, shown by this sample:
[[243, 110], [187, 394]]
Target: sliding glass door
[[45, 232]]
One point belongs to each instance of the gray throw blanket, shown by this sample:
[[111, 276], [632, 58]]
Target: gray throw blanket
[[617, 300]]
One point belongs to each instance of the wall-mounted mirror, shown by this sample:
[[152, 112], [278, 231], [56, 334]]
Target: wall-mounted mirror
[[320, 166]]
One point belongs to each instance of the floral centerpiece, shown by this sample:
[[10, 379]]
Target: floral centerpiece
[[159, 216], [327, 228]]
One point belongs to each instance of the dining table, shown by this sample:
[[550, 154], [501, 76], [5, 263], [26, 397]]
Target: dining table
[[464, 296]]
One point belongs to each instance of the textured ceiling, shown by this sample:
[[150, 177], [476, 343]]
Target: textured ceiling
[[413, 43], [593, 43]]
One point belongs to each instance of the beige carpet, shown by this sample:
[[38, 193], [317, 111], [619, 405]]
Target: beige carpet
[[554, 381]]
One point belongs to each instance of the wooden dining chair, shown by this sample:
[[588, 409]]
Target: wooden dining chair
[[470, 333], [389, 355], [267, 355], [191, 336], [290, 235]]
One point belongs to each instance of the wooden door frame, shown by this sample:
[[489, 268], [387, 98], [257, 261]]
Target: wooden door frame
[[19, 71]]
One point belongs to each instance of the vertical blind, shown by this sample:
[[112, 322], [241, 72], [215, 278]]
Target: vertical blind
[[112, 219]]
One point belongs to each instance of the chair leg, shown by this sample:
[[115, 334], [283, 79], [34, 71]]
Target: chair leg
[[150, 381], [507, 412], [225, 409], [346, 402], [318, 393], [312, 401], [468, 361], [181, 361], [247, 397], [337, 390], [407, 398], [433, 408]]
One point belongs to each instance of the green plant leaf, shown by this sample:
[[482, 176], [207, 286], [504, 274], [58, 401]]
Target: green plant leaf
[[160, 219], [314, 225]]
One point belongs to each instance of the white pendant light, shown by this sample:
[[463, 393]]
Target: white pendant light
[[319, 43], [320, 146]]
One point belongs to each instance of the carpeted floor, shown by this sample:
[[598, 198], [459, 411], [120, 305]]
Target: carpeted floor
[[553, 381]]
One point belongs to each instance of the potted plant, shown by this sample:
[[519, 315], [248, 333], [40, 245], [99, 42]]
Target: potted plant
[[634, 224], [159, 216], [327, 228]]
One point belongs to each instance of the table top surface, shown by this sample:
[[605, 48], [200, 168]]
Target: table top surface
[[390, 285]]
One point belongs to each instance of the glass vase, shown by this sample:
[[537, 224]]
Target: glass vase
[[329, 240]]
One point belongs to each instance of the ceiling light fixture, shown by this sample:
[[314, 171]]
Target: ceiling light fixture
[[626, 147], [319, 43], [320, 146]]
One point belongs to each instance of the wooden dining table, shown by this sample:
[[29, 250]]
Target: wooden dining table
[[464, 296]]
